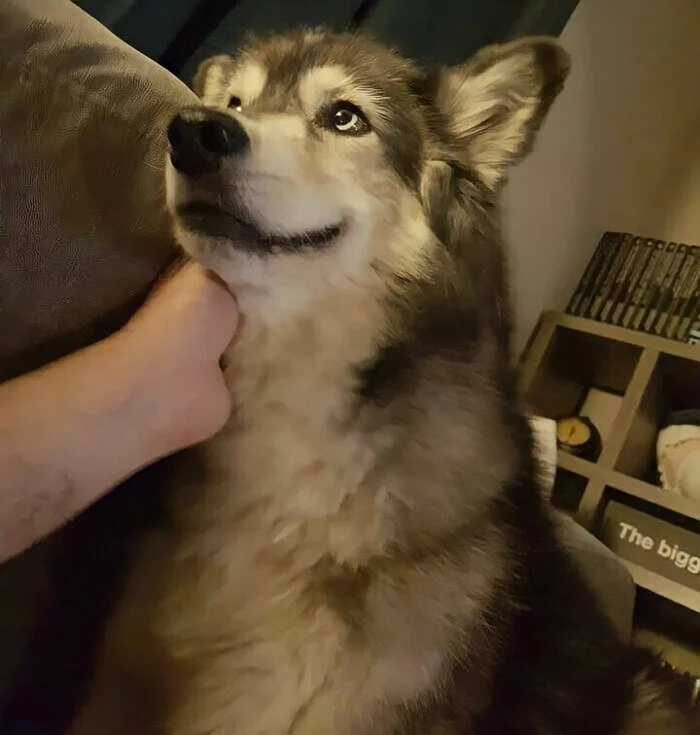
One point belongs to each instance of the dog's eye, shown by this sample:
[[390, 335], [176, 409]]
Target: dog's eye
[[236, 103], [346, 118]]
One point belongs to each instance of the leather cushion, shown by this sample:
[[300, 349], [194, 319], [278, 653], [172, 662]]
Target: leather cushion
[[83, 233], [83, 228]]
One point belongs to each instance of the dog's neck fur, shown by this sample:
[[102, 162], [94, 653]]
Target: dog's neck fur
[[294, 448]]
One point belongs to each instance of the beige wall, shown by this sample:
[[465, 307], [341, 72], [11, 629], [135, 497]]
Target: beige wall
[[620, 150], [683, 213]]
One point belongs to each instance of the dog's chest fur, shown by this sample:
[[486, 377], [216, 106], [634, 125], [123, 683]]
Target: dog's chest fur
[[295, 444], [268, 610]]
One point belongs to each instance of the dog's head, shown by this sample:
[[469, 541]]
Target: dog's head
[[324, 152]]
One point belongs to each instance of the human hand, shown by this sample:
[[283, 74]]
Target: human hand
[[177, 339], [71, 431]]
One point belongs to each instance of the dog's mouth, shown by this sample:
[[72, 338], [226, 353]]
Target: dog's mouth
[[211, 221]]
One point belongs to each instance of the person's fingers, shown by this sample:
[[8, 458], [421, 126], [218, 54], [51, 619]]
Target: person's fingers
[[216, 408], [222, 312], [193, 310], [169, 272]]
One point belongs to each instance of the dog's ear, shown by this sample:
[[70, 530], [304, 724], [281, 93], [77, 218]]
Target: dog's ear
[[210, 74], [495, 102]]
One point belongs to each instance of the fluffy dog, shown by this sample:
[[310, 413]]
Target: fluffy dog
[[363, 550]]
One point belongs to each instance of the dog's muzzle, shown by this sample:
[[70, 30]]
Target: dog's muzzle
[[201, 138]]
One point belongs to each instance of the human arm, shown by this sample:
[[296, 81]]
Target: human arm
[[73, 430]]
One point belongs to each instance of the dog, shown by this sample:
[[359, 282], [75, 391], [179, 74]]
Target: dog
[[363, 549]]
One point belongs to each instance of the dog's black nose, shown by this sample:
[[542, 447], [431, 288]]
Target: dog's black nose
[[199, 138]]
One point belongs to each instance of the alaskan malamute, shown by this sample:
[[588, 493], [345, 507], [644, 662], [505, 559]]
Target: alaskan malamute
[[363, 549]]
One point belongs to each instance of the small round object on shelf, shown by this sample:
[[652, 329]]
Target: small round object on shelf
[[578, 435]]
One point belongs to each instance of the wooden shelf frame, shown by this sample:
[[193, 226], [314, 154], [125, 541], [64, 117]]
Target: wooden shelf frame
[[605, 476]]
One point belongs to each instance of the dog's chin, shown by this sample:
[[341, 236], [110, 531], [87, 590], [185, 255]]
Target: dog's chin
[[211, 222]]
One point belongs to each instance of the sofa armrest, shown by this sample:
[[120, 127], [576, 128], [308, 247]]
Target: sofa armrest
[[605, 574]]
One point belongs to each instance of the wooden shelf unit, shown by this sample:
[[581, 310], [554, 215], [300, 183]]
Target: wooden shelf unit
[[569, 355]]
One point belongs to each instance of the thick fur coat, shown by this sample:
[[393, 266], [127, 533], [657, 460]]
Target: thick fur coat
[[363, 549]]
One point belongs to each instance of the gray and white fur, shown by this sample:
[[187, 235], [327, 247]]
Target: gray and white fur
[[363, 549]]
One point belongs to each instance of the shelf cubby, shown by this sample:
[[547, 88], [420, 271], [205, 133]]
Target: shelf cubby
[[652, 376]]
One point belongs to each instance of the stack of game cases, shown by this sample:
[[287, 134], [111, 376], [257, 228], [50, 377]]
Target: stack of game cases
[[643, 284]]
